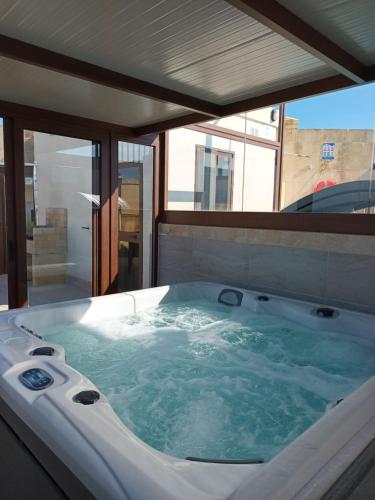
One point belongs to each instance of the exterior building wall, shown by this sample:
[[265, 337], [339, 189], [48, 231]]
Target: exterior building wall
[[303, 167], [332, 269]]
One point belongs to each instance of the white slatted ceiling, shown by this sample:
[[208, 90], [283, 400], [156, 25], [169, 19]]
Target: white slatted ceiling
[[349, 23], [33, 86], [204, 48]]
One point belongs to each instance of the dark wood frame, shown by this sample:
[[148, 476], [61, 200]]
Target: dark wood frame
[[359, 224], [100, 232], [362, 224], [213, 129], [15, 209], [18, 118], [269, 13], [280, 96], [45, 58], [284, 22]]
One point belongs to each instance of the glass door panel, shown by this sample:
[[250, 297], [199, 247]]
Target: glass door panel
[[135, 178], [62, 203], [3, 228], [130, 222]]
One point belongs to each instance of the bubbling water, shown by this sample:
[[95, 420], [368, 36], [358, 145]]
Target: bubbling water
[[207, 380]]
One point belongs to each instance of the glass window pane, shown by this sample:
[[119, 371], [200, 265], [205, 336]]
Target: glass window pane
[[62, 203], [259, 179], [328, 159], [135, 184], [213, 179], [327, 162], [262, 122], [208, 172]]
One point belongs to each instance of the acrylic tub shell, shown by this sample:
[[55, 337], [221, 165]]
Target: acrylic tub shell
[[114, 464]]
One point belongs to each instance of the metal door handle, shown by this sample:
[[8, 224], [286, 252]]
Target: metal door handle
[[85, 227]]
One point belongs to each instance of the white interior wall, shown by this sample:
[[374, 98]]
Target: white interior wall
[[64, 170]]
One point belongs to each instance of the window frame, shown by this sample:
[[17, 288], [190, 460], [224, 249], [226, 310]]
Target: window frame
[[334, 223]]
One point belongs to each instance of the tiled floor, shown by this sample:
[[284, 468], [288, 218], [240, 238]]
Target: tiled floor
[[42, 294]]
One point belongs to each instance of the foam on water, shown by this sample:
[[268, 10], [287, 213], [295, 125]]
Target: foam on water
[[206, 380]]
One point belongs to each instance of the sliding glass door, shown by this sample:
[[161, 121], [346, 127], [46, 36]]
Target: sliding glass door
[[76, 213], [61, 179]]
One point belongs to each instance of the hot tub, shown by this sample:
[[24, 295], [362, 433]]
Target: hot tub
[[194, 391]]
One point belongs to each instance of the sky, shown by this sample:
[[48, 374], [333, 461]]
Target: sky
[[350, 108]]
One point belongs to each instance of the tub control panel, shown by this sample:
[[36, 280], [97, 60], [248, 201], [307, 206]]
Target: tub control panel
[[36, 379]]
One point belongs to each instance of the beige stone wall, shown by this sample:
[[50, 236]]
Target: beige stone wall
[[335, 269], [303, 167]]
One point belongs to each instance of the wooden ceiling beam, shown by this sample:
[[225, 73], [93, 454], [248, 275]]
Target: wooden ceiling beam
[[288, 94], [280, 96], [38, 56], [164, 125], [284, 22]]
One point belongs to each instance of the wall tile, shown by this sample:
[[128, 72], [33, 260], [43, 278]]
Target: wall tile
[[351, 278], [221, 261], [175, 252], [291, 269], [331, 270], [171, 276], [340, 243]]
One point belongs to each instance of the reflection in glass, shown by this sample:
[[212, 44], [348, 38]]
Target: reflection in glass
[[61, 210], [135, 181], [208, 172], [327, 170], [213, 179]]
